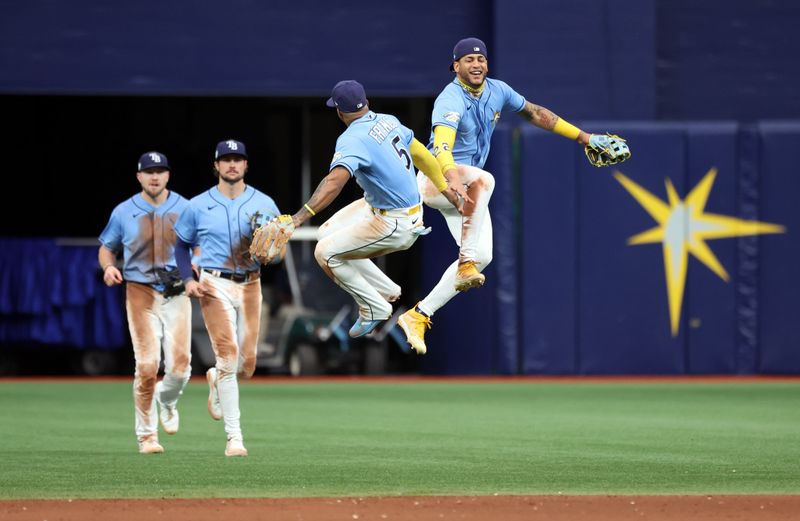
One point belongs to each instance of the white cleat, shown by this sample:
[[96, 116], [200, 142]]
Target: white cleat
[[150, 445], [235, 447], [214, 407], [168, 414]]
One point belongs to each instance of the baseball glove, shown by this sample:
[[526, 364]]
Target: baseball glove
[[270, 238], [605, 150]]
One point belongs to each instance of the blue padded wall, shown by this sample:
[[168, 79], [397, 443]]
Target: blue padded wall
[[779, 305], [592, 304], [506, 263], [622, 304], [548, 264], [710, 303]]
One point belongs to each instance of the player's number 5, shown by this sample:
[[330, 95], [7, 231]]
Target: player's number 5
[[402, 152]]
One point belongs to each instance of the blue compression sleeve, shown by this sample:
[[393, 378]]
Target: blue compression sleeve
[[183, 257]]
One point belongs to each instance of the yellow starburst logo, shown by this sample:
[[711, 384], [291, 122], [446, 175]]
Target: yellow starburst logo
[[683, 228]]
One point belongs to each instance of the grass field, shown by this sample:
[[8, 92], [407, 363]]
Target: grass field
[[74, 439]]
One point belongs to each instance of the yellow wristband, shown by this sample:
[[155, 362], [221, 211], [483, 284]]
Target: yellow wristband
[[308, 208], [448, 166], [562, 128]]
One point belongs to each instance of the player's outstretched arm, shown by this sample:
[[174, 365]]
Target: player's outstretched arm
[[327, 191], [270, 239], [601, 150], [547, 120]]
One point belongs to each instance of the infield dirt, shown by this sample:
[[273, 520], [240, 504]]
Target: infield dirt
[[501, 508]]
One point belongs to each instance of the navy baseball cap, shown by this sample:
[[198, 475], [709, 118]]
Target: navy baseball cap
[[348, 96], [468, 46], [153, 160], [230, 147]]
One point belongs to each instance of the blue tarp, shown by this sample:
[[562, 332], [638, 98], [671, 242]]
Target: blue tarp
[[54, 294]]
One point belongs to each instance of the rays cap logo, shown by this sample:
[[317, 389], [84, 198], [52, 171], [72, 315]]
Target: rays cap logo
[[230, 147], [153, 159], [468, 46], [348, 96]]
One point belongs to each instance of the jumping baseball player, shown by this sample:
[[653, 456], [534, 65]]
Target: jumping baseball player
[[464, 116], [221, 221], [380, 153], [159, 312]]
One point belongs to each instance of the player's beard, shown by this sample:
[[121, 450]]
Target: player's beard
[[466, 78], [471, 81], [231, 177]]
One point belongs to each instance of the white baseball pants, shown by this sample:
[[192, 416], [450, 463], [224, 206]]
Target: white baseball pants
[[232, 313], [354, 235], [154, 323], [472, 231]]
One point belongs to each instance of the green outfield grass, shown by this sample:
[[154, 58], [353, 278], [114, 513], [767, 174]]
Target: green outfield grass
[[75, 440]]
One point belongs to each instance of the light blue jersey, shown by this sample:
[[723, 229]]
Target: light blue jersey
[[146, 236], [223, 228], [375, 150], [473, 118]]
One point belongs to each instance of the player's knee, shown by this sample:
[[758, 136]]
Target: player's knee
[[487, 181], [319, 254], [147, 371], [325, 258], [180, 365]]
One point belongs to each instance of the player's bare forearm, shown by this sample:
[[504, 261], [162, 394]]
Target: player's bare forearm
[[539, 116], [547, 119], [105, 257], [107, 260], [327, 191]]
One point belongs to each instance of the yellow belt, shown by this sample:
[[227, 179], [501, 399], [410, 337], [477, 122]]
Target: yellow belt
[[409, 211]]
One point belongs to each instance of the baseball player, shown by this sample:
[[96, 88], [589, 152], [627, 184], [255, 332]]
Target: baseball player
[[159, 312], [464, 116], [380, 153], [220, 221]]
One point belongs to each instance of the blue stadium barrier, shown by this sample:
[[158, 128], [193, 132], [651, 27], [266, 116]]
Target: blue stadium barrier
[[779, 289], [547, 237], [710, 303], [622, 306], [591, 303]]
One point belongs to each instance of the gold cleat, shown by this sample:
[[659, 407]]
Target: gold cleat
[[414, 325], [468, 276]]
